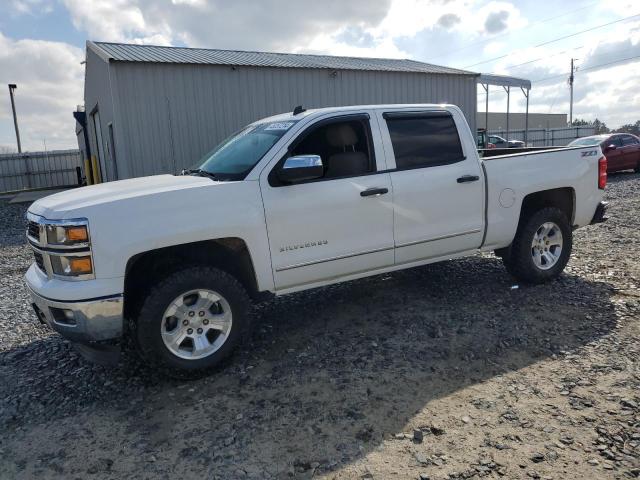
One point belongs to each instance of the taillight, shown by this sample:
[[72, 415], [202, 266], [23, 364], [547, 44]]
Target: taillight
[[602, 173]]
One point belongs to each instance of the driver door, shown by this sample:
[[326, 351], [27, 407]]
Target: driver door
[[333, 226]]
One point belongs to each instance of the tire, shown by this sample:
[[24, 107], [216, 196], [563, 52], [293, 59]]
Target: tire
[[523, 259], [173, 309]]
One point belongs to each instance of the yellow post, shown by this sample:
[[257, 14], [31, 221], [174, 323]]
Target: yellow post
[[94, 168], [87, 171]]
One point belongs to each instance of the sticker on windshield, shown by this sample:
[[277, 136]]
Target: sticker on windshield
[[279, 126]]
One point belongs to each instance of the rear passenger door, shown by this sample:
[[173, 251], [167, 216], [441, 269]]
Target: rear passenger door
[[438, 188]]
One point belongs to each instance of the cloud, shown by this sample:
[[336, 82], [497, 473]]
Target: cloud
[[605, 83], [29, 7], [496, 22], [273, 24], [448, 20], [49, 78]]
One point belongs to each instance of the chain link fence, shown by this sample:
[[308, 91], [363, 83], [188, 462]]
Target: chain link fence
[[547, 137]]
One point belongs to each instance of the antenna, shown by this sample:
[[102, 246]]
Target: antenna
[[298, 110]]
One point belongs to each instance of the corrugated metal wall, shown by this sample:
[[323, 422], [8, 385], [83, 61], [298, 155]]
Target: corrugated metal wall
[[167, 116], [32, 170]]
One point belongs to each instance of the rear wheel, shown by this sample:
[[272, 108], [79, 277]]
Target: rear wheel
[[541, 248], [192, 320]]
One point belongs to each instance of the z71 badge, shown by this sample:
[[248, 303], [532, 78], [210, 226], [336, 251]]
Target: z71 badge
[[590, 153], [288, 248]]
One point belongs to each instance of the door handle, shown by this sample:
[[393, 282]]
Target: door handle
[[468, 178], [370, 192]]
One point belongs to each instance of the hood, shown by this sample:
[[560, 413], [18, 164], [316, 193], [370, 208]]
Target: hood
[[71, 202]]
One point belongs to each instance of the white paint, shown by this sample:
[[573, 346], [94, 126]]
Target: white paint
[[349, 236]]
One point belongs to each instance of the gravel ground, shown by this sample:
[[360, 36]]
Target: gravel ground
[[438, 372]]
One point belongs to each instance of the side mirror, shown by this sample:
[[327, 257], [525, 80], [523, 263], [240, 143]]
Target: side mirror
[[301, 168], [608, 148]]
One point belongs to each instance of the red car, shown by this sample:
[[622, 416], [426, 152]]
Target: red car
[[621, 149]]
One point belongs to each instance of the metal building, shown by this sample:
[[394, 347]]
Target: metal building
[[152, 110]]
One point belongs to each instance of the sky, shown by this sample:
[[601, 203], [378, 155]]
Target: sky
[[42, 45]]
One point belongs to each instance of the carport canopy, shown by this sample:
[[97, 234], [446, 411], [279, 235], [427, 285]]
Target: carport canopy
[[506, 82]]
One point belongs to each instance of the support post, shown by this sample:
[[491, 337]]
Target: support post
[[508, 90], [486, 110], [526, 115]]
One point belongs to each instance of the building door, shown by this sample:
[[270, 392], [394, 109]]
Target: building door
[[112, 153], [97, 130]]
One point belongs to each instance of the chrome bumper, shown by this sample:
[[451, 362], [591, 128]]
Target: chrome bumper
[[83, 321]]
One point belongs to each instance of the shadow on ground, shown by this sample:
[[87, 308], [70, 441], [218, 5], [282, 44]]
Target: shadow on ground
[[325, 377]]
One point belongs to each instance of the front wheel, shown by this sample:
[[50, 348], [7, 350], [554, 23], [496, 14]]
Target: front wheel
[[192, 319], [541, 248]]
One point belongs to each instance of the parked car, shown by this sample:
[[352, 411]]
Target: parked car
[[621, 149], [500, 142], [292, 202]]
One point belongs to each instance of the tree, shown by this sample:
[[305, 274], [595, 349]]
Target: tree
[[600, 127], [7, 149], [633, 128], [579, 122]]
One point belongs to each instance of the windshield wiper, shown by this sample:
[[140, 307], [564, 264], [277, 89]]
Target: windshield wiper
[[198, 171]]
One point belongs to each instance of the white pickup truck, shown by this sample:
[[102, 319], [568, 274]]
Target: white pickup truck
[[293, 202]]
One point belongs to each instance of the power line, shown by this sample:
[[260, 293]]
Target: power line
[[564, 75], [593, 67], [512, 31], [543, 58], [556, 40], [564, 51]]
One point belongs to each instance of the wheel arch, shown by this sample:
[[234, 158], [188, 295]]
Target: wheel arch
[[230, 254], [563, 198]]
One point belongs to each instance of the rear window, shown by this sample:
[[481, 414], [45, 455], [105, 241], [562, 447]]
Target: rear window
[[424, 139], [586, 141]]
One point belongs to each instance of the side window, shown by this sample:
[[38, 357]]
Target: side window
[[424, 140], [617, 141], [628, 140], [345, 147]]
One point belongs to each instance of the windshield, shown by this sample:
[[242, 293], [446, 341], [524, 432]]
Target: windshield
[[237, 155], [587, 141]]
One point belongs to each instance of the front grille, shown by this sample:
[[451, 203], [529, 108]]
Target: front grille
[[39, 261], [33, 230]]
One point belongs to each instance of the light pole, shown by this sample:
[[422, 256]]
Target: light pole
[[12, 87]]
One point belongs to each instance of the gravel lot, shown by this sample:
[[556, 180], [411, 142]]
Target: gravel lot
[[445, 371]]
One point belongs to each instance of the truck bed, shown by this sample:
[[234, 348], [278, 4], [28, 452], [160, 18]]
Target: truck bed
[[511, 177]]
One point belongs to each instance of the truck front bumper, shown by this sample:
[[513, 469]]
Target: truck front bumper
[[84, 322]]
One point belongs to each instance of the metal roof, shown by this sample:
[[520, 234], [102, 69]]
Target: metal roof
[[504, 81], [122, 52]]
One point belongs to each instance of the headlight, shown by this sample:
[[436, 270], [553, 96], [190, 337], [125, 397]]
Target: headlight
[[67, 235], [71, 266]]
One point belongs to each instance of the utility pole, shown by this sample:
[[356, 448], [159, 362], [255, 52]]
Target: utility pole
[[571, 94], [12, 87]]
